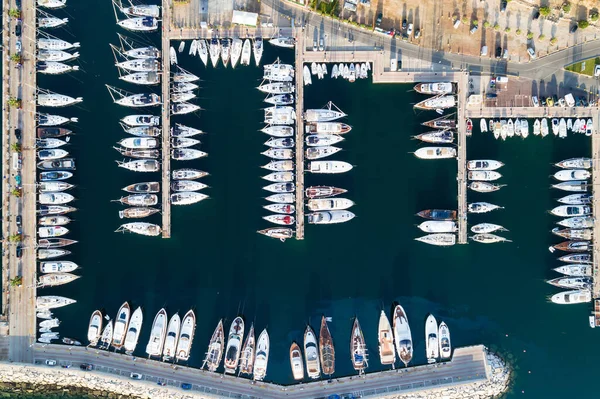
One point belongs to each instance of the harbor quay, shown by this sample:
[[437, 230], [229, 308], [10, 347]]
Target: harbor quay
[[166, 123], [472, 371]]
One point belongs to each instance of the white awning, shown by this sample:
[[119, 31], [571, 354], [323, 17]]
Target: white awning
[[244, 18]]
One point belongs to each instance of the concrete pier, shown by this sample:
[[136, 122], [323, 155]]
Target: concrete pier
[[299, 138], [596, 206], [166, 121], [461, 175]]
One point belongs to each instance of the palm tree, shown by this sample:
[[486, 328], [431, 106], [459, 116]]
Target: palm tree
[[15, 13], [16, 282], [16, 192], [14, 102], [14, 238], [16, 58], [15, 147]]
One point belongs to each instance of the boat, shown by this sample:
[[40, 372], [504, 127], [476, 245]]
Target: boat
[[120, 327], [187, 174], [133, 331], [555, 126], [183, 108], [432, 344], [58, 267], [280, 99], [107, 335], [573, 186], [186, 336], [54, 68], [146, 187], [139, 100], [139, 200], [444, 341], [330, 217], [438, 102], [307, 79], [202, 50], [572, 283], [187, 198], [141, 120], [438, 226], [571, 210], [52, 253], [53, 221], [52, 4], [572, 174], [484, 164], [435, 152], [193, 48], [402, 335], [437, 137], [544, 128], [574, 246], [285, 220], [258, 49], [146, 229], [278, 131], [50, 323], [571, 297], [278, 232], [483, 228], [277, 87], [183, 142], [328, 167], [296, 362], [138, 153], [329, 204], [562, 128], [55, 242], [536, 127], [139, 142], [358, 348], [139, 24], [52, 132], [50, 143], [186, 154], [279, 166], [435, 88], [438, 214], [575, 163], [64, 163], [184, 77], [52, 231], [142, 52], [182, 97], [55, 210], [55, 198], [245, 50], [280, 142], [573, 234], [262, 356], [279, 177], [320, 152], [137, 212], [94, 328], [279, 153], [184, 131], [215, 349], [137, 65], [482, 207], [286, 209], [280, 115], [214, 50], [46, 155], [441, 123], [141, 10], [248, 353], [483, 126], [438, 239], [484, 187], [570, 124], [187, 185], [55, 55], [55, 44], [576, 199], [589, 127], [311, 354], [142, 78], [323, 191], [326, 349], [575, 270], [234, 345], [225, 51], [327, 128], [486, 238], [52, 302], [56, 279], [56, 100], [576, 258], [483, 175], [279, 72], [286, 42], [286, 198], [154, 348], [323, 114]]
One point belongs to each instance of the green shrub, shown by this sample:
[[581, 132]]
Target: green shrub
[[553, 40], [541, 37], [594, 16], [507, 29], [465, 19], [518, 32], [529, 35], [475, 22], [486, 24], [566, 7], [496, 26], [545, 11], [583, 24]]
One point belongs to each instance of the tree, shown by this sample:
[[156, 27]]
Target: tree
[[541, 37], [545, 11], [16, 192], [15, 147], [518, 32], [583, 24], [15, 13], [465, 19], [594, 16], [14, 102], [475, 22], [16, 282], [486, 24], [496, 26], [15, 238], [553, 40], [566, 7], [529, 35], [507, 29], [16, 58]]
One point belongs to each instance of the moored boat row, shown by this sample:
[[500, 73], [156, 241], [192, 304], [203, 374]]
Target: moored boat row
[[507, 128]]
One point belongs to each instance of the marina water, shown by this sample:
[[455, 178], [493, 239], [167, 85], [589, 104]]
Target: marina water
[[216, 263]]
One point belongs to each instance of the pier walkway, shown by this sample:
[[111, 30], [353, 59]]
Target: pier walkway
[[596, 206], [480, 111], [462, 89], [468, 365], [299, 49], [166, 122]]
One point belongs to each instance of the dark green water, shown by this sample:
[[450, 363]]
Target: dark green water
[[217, 264]]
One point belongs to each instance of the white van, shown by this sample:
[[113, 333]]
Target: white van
[[16, 161]]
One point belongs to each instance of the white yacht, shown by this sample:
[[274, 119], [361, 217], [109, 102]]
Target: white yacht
[[55, 44], [311, 354], [286, 42], [45, 155], [55, 198], [280, 99], [572, 174], [575, 163], [54, 186], [435, 88], [172, 336], [330, 217], [323, 115], [444, 340], [187, 174], [140, 165], [53, 4], [186, 336], [139, 142], [184, 131], [120, 326], [258, 49], [182, 97], [279, 166], [57, 220], [262, 356], [328, 167], [438, 102], [52, 302], [187, 198], [482, 207], [306, 76], [236, 51], [202, 51], [133, 331], [214, 50], [284, 198], [55, 68], [55, 55], [329, 204], [225, 51], [484, 164], [56, 100], [313, 140], [571, 210], [183, 108], [279, 72], [327, 128], [279, 177], [277, 87], [52, 231], [187, 185], [435, 153], [278, 131], [107, 336], [438, 226], [575, 270], [94, 328], [142, 52], [141, 10], [139, 24], [432, 344], [483, 175], [484, 228], [280, 115], [53, 120], [186, 154], [142, 228], [141, 120], [571, 297], [573, 186], [438, 239], [320, 152], [58, 267], [279, 153], [234, 345], [157, 334], [139, 100], [142, 78], [246, 53]]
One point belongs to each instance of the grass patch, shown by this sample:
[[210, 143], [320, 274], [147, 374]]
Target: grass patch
[[587, 69]]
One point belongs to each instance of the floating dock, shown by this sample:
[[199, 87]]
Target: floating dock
[[166, 121], [461, 175], [299, 49]]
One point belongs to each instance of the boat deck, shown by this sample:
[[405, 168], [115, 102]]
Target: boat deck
[[299, 49], [166, 122]]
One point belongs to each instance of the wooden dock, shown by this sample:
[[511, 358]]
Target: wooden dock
[[461, 175], [596, 205], [166, 121], [299, 138]]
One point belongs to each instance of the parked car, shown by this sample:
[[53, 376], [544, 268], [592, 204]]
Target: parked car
[[315, 45], [18, 47], [18, 30], [573, 28], [18, 134], [417, 33], [531, 53], [186, 386], [20, 254], [136, 376], [50, 362], [378, 21], [503, 5], [456, 23], [86, 367], [498, 52], [404, 24], [535, 101], [505, 54], [321, 44], [18, 3], [474, 29], [19, 220], [536, 14], [409, 30]]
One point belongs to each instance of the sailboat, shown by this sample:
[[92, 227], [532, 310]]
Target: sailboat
[[186, 336], [432, 346], [225, 51], [358, 348], [326, 349], [95, 328], [246, 53], [133, 331], [444, 341], [262, 356], [234, 344], [236, 51], [120, 328], [258, 49], [157, 334], [203, 51], [107, 336], [170, 346], [214, 50], [248, 353], [296, 362], [387, 354], [311, 353], [402, 335], [215, 348]]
